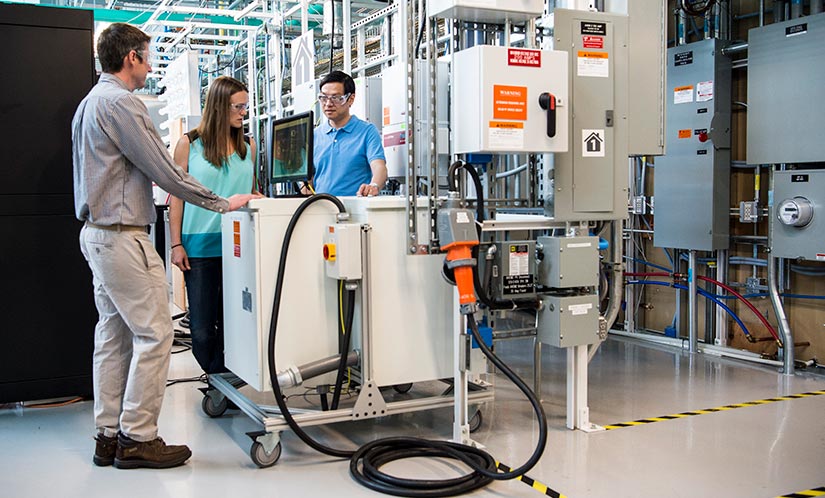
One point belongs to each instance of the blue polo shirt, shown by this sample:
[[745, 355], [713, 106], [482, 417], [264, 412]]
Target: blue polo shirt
[[342, 157]]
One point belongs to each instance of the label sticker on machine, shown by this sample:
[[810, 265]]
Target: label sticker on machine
[[236, 237], [510, 102], [593, 64], [820, 256], [704, 91], [523, 57], [683, 58], [395, 135], [683, 94], [518, 284], [519, 260], [796, 29], [684, 134], [506, 135], [590, 41], [593, 143], [580, 309], [594, 28], [799, 178]]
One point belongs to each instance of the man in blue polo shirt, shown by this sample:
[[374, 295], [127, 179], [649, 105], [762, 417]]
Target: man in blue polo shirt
[[349, 156]]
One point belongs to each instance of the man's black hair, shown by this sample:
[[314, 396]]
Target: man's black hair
[[115, 43], [340, 77]]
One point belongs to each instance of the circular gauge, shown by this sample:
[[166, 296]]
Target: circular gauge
[[796, 212]]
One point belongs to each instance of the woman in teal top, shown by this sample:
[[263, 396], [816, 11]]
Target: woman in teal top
[[217, 154]]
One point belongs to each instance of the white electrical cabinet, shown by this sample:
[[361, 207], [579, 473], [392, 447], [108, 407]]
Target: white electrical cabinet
[[495, 11], [510, 100], [412, 309]]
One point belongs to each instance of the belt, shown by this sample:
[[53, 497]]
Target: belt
[[117, 227]]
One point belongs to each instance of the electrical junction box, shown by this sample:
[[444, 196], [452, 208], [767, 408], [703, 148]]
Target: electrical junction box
[[342, 251], [502, 100], [786, 67], [514, 270], [568, 262], [368, 96], [494, 11], [798, 225], [589, 182], [692, 181], [566, 321]]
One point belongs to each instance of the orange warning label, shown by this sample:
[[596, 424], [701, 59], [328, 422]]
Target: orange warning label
[[685, 134], [683, 88], [505, 124], [386, 116], [510, 102], [593, 55], [236, 237]]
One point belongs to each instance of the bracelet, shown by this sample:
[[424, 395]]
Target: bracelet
[[373, 184], [176, 245]]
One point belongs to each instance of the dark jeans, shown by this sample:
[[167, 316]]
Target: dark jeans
[[204, 289]]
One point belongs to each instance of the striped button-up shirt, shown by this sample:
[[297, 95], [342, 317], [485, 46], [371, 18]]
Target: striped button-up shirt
[[117, 154]]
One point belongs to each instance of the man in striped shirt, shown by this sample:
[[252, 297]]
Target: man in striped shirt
[[117, 155]]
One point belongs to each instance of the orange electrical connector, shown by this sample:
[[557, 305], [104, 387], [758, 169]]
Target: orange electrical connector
[[458, 251]]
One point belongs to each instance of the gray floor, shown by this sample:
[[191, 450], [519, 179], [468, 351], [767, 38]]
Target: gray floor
[[761, 451]]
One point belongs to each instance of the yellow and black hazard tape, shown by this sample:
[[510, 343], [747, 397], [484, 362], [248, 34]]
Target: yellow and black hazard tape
[[714, 410], [541, 488], [806, 494]]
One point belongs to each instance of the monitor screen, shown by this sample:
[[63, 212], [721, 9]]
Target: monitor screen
[[292, 148]]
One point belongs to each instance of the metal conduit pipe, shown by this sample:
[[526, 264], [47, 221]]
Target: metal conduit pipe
[[693, 307], [778, 11], [779, 310], [735, 48], [295, 376], [614, 304], [796, 9]]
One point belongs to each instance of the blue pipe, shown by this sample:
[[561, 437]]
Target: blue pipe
[[648, 263], [701, 292]]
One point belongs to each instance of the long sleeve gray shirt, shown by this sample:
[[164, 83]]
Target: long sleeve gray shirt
[[117, 154]]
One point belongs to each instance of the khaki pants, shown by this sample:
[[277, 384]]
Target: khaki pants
[[133, 336]]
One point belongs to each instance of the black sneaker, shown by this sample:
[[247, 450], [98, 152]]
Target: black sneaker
[[105, 449], [154, 454]]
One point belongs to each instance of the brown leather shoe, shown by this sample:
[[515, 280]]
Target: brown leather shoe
[[154, 454], [105, 449]]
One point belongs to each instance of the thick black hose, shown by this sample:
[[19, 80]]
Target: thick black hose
[[273, 327], [372, 455], [342, 366]]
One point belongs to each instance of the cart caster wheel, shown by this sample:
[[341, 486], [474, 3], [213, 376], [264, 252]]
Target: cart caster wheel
[[403, 388], [261, 458], [476, 421], [214, 408]]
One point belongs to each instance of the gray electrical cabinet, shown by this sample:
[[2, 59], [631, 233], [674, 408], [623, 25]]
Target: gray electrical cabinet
[[590, 181], [692, 181], [566, 321], [568, 262], [786, 68], [798, 224]]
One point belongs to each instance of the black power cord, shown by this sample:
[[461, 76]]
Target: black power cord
[[366, 461]]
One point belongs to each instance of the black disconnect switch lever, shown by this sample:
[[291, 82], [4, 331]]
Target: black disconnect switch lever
[[547, 101]]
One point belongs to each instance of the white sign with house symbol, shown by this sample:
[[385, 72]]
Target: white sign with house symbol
[[303, 59], [593, 143]]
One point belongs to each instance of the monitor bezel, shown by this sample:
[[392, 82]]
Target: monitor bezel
[[309, 116]]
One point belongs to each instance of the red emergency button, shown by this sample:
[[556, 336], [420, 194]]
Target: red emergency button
[[329, 252], [703, 136]]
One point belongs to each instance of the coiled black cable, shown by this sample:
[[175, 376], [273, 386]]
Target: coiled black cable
[[366, 461]]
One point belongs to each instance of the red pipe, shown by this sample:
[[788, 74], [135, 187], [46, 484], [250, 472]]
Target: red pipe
[[748, 304]]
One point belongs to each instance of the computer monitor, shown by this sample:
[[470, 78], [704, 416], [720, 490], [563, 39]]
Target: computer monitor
[[292, 148]]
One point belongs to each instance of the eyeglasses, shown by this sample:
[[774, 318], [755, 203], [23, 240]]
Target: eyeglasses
[[334, 99], [239, 107], [141, 55]]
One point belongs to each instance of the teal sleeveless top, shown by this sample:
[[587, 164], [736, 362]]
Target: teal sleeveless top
[[201, 228]]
